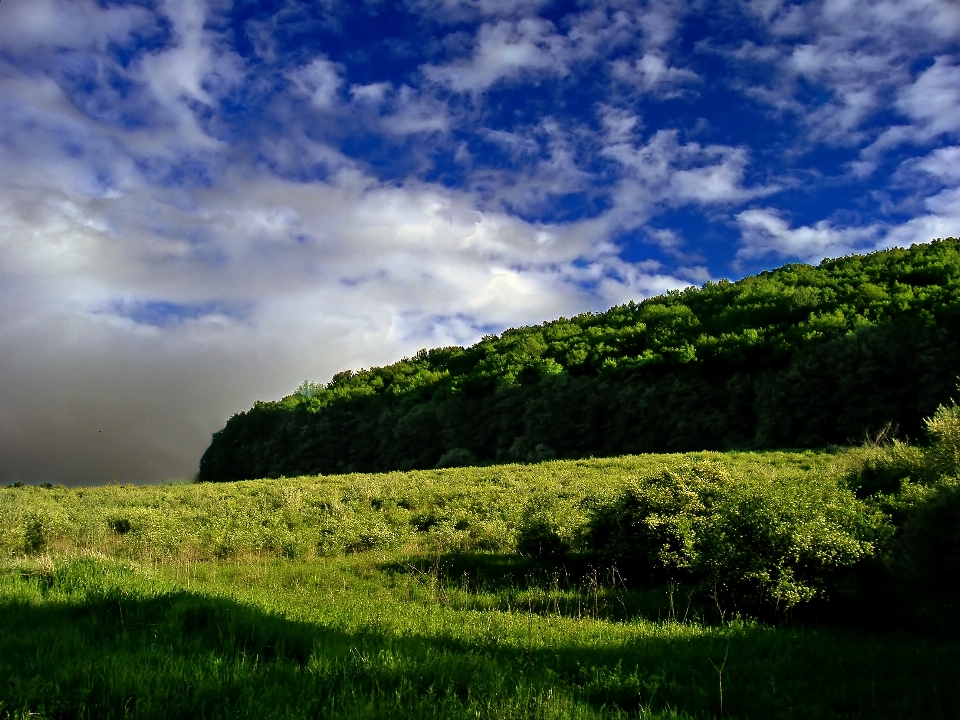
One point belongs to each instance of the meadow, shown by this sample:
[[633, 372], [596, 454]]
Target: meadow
[[492, 592]]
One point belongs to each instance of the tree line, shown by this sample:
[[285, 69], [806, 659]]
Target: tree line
[[800, 356]]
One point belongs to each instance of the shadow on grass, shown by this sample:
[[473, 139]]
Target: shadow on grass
[[570, 585], [111, 652], [579, 585]]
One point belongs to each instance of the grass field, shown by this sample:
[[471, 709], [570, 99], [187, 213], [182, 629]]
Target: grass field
[[403, 595]]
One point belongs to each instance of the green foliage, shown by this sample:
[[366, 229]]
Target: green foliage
[[919, 489], [925, 559], [927, 556], [765, 542], [800, 356], [943, 457], [901, 474], [881, 469], [546, 528], [654, 527], [539, 536], [34, 535]]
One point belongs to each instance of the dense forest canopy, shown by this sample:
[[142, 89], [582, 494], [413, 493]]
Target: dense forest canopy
[[797, 356]]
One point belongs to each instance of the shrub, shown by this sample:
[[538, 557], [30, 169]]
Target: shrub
[[539, 536], [928, 551], [121, 526], [766, 542], [654, 526], [883, 469], [548, 525], [943, 457], [925, 559], [34, 535]]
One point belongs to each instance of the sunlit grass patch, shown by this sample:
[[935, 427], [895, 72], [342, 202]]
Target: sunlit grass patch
[[457, 509]]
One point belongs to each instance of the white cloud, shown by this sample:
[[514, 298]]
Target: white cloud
[[370, 93], [943, 164], [458, 11], [932, 102], [546, 165], [671, 243], [941, 220], [765, 232], [938, 18], [38, 80], [376, 106], [619, 124], [32, 27], [650, 73], [719, 182], [514, 44], [179, 71], [321, 81], [516, 144], [607, 25], [856, 54], [505, 50], [660, 21], [412, 111], [187, 70], [662, 172]]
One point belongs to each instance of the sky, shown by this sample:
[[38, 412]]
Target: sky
[[204, 202]]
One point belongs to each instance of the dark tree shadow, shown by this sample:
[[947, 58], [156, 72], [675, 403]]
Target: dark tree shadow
[[569, 585], [117, 653]]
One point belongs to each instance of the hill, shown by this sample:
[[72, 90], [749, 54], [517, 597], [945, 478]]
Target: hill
[[800, 356]]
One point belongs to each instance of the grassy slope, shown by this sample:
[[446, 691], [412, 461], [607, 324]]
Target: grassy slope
[[400, 596], [457, 509]]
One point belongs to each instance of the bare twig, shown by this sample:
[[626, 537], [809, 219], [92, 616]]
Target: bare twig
[[720, 673]]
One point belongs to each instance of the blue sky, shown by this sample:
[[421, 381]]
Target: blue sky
[[205, 202]]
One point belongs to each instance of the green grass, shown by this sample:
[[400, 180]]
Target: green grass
[[458, 509], [401, 595]]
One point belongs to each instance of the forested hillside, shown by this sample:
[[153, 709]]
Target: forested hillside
[[800, 356]]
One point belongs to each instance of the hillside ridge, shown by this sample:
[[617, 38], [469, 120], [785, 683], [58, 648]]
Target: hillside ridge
[[799, 356]]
